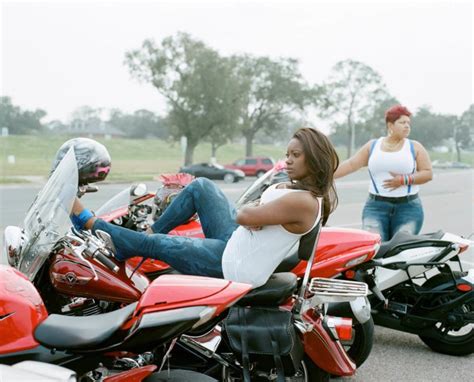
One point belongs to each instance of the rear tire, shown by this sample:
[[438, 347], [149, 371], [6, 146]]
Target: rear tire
[[446, 339], [315, 373], [259, 173], [363, 341]]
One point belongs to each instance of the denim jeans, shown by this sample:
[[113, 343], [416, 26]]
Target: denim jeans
[[387, 218], [193, 256]]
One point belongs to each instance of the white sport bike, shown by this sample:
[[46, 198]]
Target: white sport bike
[[414, 289]]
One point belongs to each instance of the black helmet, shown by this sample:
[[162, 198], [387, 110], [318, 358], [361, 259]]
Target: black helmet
[[93, 159]]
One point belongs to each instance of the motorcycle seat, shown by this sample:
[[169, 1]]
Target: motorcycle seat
[[278, 288], [70, 332], [392, 247]]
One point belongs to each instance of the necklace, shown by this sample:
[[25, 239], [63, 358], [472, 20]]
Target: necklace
[[391, 146]]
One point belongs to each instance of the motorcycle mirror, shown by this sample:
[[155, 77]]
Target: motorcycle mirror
[[13, 240], [84, 189], [107, 239], [139, 189]]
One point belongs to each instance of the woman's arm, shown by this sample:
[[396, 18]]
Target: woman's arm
[[424, 171], [354, 163], [78, 208], [295, 211]]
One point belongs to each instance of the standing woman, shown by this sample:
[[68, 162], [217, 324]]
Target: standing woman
[[397, 166]]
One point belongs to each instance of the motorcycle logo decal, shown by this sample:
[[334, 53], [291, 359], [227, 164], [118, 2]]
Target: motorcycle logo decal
[[6, 316], [71, 278]]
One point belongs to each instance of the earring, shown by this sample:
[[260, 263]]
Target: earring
[[390, 132]]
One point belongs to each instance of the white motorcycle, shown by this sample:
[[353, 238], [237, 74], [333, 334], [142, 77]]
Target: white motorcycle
[[414, 289]]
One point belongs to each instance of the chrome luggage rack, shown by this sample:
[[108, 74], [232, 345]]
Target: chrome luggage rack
[[339, 288], [322, 291]]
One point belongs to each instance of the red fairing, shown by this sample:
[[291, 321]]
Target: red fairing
[[338, 246], [69, 275], [134, 375], [178, 291], [328, 354], [21, 310]]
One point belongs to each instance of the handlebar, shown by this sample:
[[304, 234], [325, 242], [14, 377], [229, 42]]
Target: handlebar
[[107, 262]]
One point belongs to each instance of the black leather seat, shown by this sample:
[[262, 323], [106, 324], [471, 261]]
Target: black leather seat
[[389, 248], [278, 288], [66, 332]]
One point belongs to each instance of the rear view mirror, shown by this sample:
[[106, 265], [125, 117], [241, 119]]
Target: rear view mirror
[[139, 189]]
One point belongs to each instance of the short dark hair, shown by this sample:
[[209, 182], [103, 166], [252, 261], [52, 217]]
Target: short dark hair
[[395, 112]]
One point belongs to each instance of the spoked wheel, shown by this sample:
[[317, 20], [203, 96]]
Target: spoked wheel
[[308, 372], [452, 336]]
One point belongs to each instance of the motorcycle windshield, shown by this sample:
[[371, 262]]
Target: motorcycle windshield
[[254, 191], [47, 220], [120, 200]]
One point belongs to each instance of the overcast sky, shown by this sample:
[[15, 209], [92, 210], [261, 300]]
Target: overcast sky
[[61, 55]]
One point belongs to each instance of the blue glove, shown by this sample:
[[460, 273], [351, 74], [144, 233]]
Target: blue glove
[[79, 221]]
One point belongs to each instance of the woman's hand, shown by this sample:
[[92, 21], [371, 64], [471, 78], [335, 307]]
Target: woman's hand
[[393, 183]]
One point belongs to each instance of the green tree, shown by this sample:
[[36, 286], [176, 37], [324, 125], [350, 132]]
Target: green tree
[[353, 91], [196, 82], [431, 129], [269, 90], [463, 131], [141, 124], [20, 121]]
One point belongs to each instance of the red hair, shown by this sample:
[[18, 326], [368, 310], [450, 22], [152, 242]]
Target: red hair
[[395, 112]]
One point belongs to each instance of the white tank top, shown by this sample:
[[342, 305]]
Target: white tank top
[[381, 163], [252, 256]]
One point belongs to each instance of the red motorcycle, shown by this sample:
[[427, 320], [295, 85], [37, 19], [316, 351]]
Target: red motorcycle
[[338, 251], [79, 268]]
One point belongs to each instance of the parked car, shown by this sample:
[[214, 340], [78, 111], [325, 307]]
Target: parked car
[[252, 166], [445, 164], [213, 171]]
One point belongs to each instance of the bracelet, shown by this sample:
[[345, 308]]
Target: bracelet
[[79, 221]]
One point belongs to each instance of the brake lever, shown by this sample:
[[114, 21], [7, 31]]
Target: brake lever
[[78, 250]]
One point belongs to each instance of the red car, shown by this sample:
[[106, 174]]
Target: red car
[[251, 166]]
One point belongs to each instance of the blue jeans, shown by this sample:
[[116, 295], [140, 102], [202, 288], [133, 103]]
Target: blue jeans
[[387, 218], [192, 256]]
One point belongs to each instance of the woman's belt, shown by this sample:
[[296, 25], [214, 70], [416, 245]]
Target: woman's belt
[[400, 199]]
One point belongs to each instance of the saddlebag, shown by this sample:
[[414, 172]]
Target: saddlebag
[[266, 336]]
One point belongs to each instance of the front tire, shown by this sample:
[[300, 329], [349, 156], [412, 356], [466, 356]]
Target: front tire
[[445, 338]]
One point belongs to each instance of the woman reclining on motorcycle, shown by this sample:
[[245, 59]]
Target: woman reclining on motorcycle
[[245, 245]]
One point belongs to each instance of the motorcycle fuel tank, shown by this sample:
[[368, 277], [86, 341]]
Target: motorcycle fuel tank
[[71, 276]]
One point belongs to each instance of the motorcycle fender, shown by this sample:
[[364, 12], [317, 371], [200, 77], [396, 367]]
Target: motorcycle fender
[[324, 351], [361, 309], [470, 276]]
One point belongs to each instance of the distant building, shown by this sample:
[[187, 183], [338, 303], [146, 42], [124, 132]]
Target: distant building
[[93, 128]]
